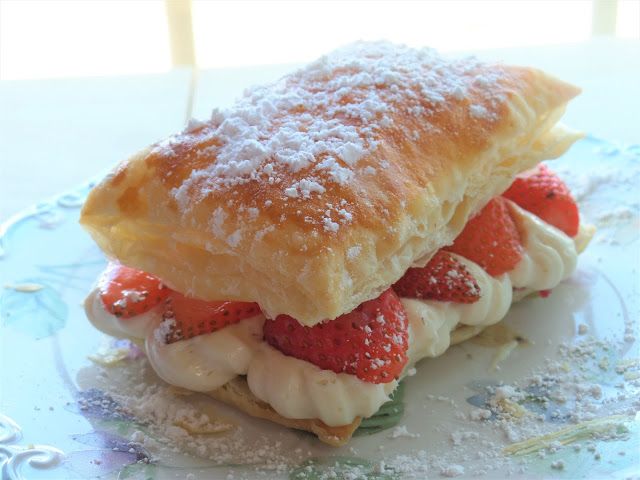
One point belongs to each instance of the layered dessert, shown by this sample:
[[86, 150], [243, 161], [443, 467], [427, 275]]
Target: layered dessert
[[299, 253]]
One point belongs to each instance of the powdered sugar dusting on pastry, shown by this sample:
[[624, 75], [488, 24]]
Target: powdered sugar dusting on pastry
[[310, 130], [354, 252]]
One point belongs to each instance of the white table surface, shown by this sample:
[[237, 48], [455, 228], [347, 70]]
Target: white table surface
[[54, 134]]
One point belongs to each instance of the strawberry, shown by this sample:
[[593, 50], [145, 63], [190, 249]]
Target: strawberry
[[191, 317], [490, 239], [541, 192], [370, 342], [126, 292], [444, 278]]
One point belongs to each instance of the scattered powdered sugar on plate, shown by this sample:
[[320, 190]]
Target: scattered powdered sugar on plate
[[558, 407], [479, 414], [606, 185], [584, 394], [452, 470], [401, 431], [459, 436], [169, 421]]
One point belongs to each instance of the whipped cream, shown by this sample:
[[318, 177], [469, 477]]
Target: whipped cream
[[431, 322], [549, 255], [298, 389], [206, 362]]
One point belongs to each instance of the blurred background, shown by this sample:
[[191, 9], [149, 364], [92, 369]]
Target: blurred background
[[63, 38]]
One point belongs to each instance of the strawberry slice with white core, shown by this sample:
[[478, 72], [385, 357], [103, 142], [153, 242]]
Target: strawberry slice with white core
[[189, 317], [444, 278]]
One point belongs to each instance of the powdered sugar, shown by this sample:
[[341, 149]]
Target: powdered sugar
[[479, 111], [479, 414], [329, 225], [453, 470], [164, 329], [401, 431], [564, 383], [169, 421], [316, 125], [304, 188], [353, 252]]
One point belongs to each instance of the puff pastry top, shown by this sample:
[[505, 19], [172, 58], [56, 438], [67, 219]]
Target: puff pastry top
[[315, 193]]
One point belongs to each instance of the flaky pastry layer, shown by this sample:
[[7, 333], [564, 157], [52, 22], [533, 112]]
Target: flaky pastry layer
[[316, 193]]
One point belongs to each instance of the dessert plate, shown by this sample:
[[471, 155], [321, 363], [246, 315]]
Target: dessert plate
[[552, 391]]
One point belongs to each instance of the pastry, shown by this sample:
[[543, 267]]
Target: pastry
[[278, 228]]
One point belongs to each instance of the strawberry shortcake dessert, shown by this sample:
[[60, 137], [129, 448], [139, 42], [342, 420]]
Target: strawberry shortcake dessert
[[296, 254]]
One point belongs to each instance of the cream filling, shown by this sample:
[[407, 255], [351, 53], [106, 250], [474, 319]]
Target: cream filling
[[550, 256], [206, 362], [431, 322], [298, 389]]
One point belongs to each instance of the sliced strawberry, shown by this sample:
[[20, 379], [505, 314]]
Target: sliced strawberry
[[370, 342], [191, 317], [490, 239], [126, 292], [444, 278], [541, 192]]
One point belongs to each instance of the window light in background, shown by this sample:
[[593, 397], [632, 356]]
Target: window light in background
[[55, 38], [66, 38], [628, 19], [258, 32]]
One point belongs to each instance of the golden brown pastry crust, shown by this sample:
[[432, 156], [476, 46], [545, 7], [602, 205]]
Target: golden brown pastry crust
[[428, 154]]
